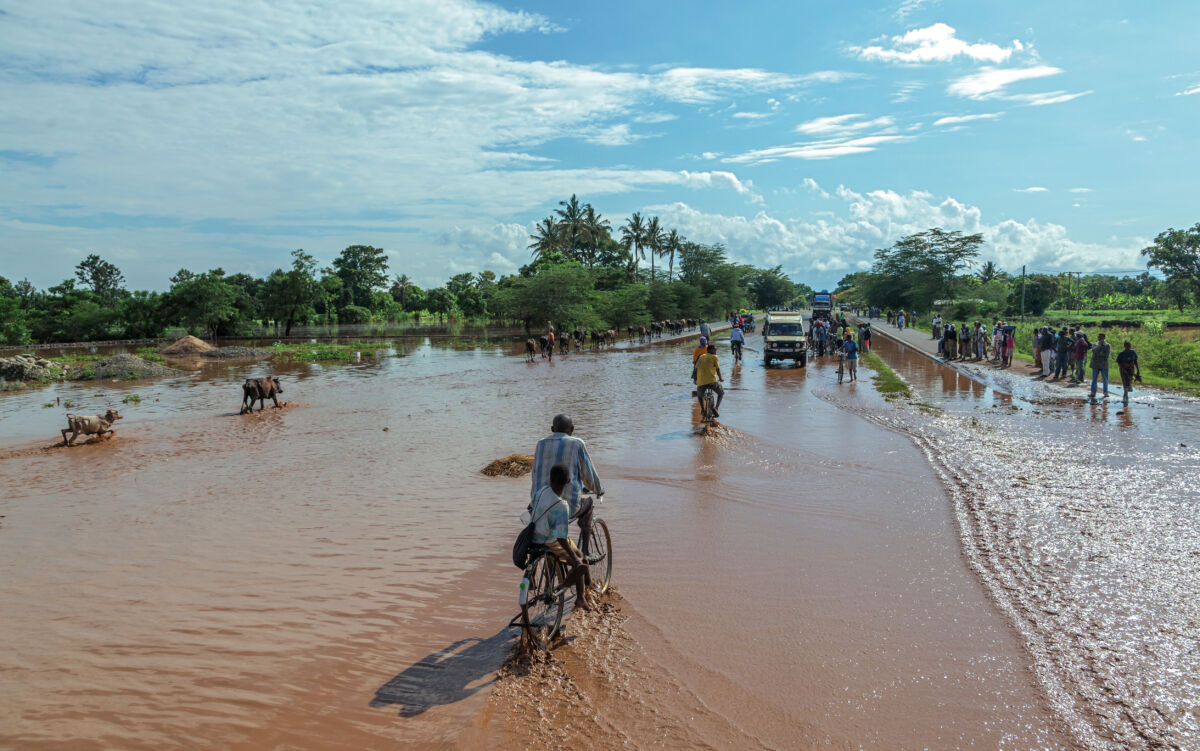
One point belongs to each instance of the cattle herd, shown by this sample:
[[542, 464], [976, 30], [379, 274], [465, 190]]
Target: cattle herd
[[595, 339]]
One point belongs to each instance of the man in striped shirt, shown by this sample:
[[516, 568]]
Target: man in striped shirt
[[563, 448]]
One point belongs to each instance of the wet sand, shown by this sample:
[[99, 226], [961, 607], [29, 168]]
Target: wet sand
[[301, 578]]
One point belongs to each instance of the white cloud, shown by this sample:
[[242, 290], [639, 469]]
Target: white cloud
[[908, 7], [752, 115], [718, 179], [960, 119], [827, 149], [1031, 189], [827, 245], [905, 91], [1080, 190], [1049, 97], [812, 185], [614, 135], [1189, 91], [934, 44], [841, 124], [989, 82]]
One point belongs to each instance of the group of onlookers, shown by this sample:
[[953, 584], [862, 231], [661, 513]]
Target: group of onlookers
[[902, 319], [974, 341], [1065, 353]]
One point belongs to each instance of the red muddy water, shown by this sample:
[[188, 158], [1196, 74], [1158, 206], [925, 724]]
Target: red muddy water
[[808, 574]]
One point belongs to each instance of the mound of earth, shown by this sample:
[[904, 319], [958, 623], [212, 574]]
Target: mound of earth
[[122, 367], [27, 368], [188, 345], [227, 352], [516, 465]]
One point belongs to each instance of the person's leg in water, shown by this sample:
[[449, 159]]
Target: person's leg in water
[[720, 398], [853, 363]]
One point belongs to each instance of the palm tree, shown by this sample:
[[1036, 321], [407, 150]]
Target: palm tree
[[633, 234], [401, 286], [989, 272], [546, 236], [671, 246], [595, 230], [654, 241], [572, 224]]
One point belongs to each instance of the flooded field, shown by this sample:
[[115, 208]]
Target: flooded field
[[1001, 570]]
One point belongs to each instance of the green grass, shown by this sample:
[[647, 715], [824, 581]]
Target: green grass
[[325, 352], [132, 399], [885, 379], [76, 358], [150, 354]]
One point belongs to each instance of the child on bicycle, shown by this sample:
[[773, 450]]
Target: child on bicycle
[[551, 516], [736, 340]]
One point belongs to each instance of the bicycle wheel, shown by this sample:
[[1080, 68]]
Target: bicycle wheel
[[545, 602], [599, 545], [841, 370]]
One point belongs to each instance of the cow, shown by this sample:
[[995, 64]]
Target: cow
[[543, 343], [564, 343], [641, 334], [96, 425], [260, 390], [530, 350]]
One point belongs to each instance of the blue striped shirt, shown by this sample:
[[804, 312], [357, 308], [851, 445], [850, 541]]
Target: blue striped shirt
[[560, 448]]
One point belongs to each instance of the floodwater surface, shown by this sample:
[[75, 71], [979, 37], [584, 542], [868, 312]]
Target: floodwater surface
[[825, 568]]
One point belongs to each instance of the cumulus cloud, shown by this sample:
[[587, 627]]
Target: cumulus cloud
[[960, 119], [935, 44], [828, 245]]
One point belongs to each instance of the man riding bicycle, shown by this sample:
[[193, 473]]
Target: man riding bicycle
[[708, 376], [736, 340], [561, 447]]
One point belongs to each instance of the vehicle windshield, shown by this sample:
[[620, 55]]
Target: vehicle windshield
[[786, 329]]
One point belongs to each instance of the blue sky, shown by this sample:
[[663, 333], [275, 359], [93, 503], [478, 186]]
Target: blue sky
[[799, 134]]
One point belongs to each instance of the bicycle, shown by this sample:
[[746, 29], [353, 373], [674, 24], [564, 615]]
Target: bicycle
[[737, 351], [544, 599], [708, 405], [841, 366]]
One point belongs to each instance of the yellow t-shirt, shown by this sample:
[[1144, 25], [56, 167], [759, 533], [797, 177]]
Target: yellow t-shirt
[[706, 369], [697, 352]]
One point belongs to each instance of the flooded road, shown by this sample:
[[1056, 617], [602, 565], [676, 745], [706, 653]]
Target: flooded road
[[826, 569]]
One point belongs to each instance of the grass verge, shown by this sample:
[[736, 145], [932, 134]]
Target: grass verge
[[324, 352], [885, 379]]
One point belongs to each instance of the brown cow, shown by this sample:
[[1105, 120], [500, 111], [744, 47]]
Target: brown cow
[[530, 350], [260, 389], [96, 425]]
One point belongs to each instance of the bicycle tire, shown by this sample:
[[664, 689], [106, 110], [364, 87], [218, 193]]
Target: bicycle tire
[[545, 602], [599, 542]]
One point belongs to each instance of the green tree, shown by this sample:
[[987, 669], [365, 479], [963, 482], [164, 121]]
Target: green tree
[[1176, 253], [572, 226], [291, 296], [104, 279], [671, 245], [989, 272], [1040, 291], [633, 236], [141, 315], [771, 287], [559, 294], [402, 288], [922, 267], [203, 302], [654, 238], [625, 306], [546, 237], [440, 301], [14, 326], [697, 260], [362, 269]]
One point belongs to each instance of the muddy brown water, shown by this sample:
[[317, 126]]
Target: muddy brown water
[[825, 569]]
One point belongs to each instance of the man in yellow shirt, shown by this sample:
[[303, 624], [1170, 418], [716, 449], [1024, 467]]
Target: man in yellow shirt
[[708, 376]]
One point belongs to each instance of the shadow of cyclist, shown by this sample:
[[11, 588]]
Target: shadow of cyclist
[[446, 676]]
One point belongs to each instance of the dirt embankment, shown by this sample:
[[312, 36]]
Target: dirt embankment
[[28, 368], [188, 345], [232, 352], [122, 367]]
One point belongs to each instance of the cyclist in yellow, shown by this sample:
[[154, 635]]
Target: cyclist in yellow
[[708, 376]]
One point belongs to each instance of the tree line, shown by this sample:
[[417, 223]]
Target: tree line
[[579, 275], [937, 269]]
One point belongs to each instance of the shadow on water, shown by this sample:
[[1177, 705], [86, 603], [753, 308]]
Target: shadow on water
[[445, 676]]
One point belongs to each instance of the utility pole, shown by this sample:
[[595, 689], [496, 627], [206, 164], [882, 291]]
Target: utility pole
[[1022, 292]]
